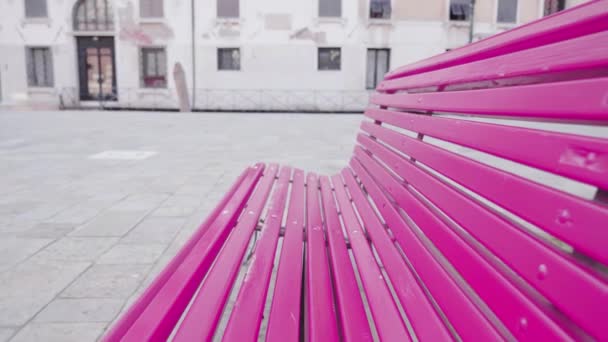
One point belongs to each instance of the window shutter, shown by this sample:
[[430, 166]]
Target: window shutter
[[228, 8], [35, 9], [507, 11], [330, 8], [151, 8]]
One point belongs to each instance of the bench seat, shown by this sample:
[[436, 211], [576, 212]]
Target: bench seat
[[469, 210]]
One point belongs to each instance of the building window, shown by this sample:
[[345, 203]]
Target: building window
[[39, 67], [554, 6], [329, 58], [377, 66], [228, 59], [380, 9], [93, 15], [151, 8], [35, 9], [227, 8], [330, 8], [460, 10], [153, 68], [507, 11]]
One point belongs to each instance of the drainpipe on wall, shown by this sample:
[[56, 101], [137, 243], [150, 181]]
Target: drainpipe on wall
[[472, 19], [193, 46]]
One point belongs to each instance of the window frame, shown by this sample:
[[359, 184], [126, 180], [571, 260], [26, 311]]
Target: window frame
[[369, 10], [217, 11], [219, 63], [143, 66], [152, 17], [31, 71], [46, 10], [328, 48], [507, 23], [388, 64]]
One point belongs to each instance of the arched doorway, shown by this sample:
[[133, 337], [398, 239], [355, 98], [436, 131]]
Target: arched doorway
[[93, 22]]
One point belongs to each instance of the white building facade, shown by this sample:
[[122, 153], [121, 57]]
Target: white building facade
[[275, 55]]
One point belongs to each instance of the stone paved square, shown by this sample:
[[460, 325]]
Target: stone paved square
[[80, 237]]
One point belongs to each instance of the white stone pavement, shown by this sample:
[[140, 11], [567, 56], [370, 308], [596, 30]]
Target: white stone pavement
[[81, 233]]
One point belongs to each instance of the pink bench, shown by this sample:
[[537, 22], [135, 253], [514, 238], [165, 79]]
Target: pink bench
[[436, 228]]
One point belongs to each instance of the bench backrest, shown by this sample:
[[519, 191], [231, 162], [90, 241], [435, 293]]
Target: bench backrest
[[489, 164]]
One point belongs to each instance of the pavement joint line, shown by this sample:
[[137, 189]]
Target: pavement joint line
[[50, 301]]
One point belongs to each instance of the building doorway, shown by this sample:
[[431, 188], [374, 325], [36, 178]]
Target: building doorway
[[93, 22], [96, 68]]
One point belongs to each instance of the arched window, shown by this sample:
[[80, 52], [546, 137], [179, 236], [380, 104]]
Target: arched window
[[93, 15]]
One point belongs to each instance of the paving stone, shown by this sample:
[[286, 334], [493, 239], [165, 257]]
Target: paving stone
[[19, 310], [181, 238], [198, 188], [132, 254], [6, 333], [154, 230], [11, 228], [59, 332], [80, 310], [39, 278], [78, 214], [175, 210], [50, 230], [45, 210], [14, 250], [178, 205], [15, 207], [141, 202], [107, 281], [77, 248], [163, 261], [111, 223]]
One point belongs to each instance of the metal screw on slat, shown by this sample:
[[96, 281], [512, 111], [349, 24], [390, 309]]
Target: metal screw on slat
[[564, 217], [542, 271], [523, 323]]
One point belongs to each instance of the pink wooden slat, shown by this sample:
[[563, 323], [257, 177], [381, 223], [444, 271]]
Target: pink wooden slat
[[244, 322], [386, 315], [549, 272], [353, 318], [159, 317], [578, 100], [520, 315], [582, 158], [119, 329], [322, 325], [553, 61], [579, 21], [284, 320], [463, 315], [426, 322], [205, 311], [575, 221]]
